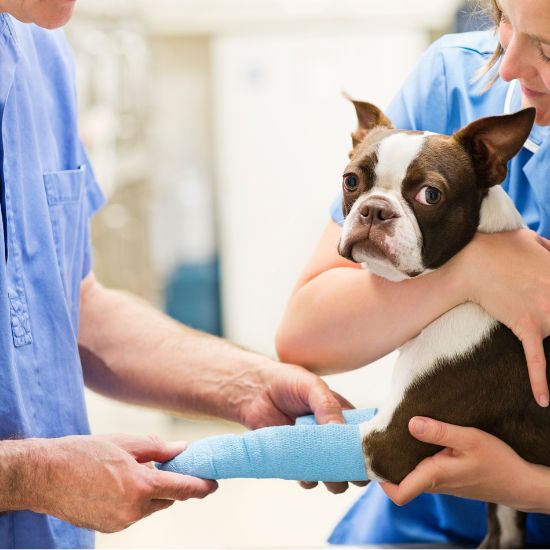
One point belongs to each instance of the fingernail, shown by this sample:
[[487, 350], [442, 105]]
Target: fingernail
[[543, 400], [419, 426]]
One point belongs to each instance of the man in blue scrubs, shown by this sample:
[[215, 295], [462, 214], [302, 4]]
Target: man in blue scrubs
[[59, 327]]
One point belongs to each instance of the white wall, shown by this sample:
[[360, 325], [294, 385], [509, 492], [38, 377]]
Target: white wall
[[282, 133]]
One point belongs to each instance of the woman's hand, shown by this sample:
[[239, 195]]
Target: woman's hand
[[475, 465], [508, 274]]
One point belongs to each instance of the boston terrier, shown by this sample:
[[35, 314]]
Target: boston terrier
[[411, 201]]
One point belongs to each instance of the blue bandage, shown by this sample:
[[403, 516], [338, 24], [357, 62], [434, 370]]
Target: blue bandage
[[306, 451]]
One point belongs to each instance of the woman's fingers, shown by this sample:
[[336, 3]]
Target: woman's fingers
[[536, 365], [441, 433]]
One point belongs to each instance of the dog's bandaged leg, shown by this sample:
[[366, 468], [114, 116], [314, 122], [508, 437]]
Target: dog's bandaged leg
[[306, 451]]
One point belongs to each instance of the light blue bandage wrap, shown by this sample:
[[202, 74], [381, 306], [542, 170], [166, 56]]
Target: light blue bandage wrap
[[306, 451]]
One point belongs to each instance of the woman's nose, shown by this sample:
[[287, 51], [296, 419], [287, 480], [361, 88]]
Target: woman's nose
[[517, 60]]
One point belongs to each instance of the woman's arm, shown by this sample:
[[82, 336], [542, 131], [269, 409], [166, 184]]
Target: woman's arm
[[341, 317]]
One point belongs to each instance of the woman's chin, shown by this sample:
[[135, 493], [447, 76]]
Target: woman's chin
[[543, 120], [542, 105]]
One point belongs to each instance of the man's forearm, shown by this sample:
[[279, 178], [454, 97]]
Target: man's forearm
[[16, 492], [133, 352]]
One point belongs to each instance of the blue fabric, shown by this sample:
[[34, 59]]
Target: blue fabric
[[50, 193], [306, 451], [439, 96], [2, 196]]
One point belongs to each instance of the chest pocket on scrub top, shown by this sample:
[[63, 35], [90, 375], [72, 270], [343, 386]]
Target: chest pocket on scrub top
[[65, 193]]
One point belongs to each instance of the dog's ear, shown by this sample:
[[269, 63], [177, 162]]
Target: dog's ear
[[492, 141], [368, 116]]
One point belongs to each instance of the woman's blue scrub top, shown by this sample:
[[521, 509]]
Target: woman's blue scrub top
[[48, 193], [439, 96]]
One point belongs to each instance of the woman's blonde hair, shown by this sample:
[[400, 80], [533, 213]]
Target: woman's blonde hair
[[495, 14]]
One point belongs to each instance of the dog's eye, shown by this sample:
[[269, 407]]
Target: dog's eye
[[351, 182], [428, 195]]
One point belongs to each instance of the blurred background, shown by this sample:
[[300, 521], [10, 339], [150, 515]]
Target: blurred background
[[218, 131]]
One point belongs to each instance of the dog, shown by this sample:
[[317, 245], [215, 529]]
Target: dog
[[411, 201]]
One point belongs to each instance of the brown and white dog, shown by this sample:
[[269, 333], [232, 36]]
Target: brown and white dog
[[411, 201]]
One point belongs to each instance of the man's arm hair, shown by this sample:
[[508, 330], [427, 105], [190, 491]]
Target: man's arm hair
[[17, 459], [132, 352]]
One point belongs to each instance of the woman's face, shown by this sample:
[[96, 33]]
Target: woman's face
[[49, 14], [524, 33]]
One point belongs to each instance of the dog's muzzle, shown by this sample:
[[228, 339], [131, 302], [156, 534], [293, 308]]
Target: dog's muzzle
[[373, 217]]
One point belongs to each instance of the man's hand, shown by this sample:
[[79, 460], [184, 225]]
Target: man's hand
[[106, 483], [120, 338], [474, 465], [288, 391], [508, 274], [283, 392]]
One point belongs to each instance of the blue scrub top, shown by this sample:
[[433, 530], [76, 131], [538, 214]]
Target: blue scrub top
[[48, 195], [440, 96]]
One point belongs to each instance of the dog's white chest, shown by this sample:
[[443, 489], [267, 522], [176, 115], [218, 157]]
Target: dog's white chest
[[454, 334]]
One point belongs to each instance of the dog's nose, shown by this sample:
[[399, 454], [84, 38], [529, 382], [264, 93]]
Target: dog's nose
[[376, 210]]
